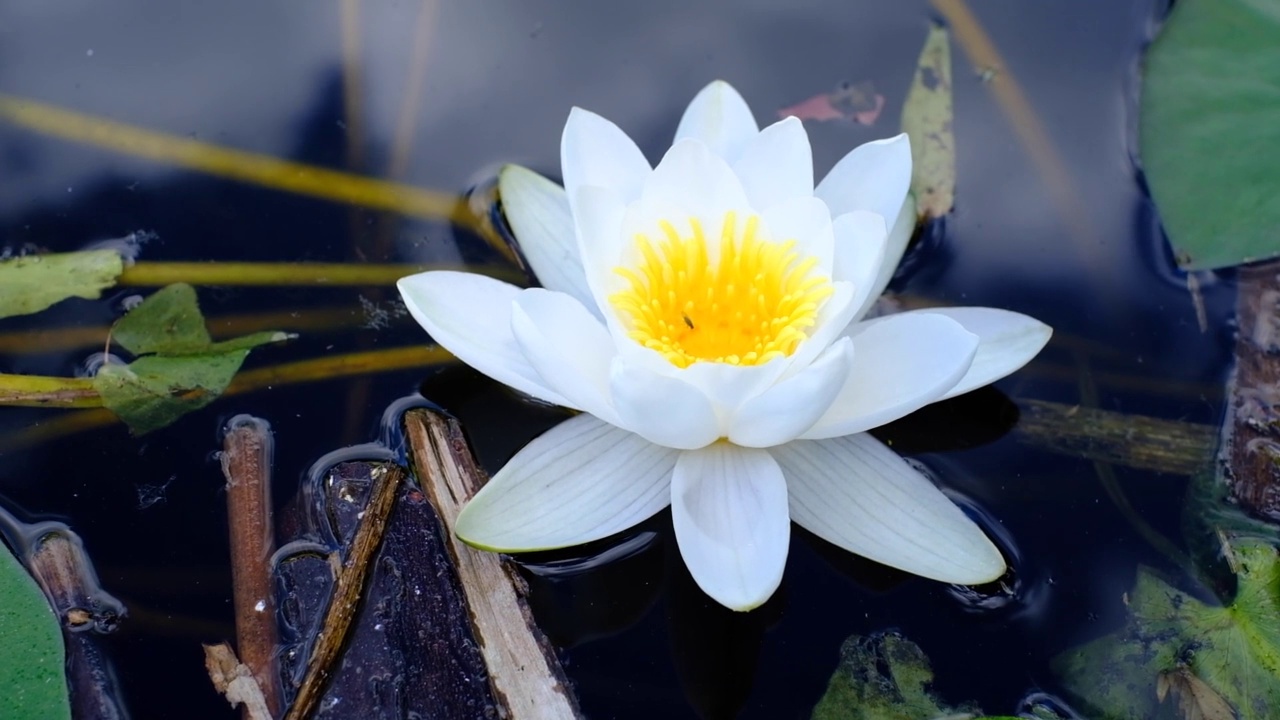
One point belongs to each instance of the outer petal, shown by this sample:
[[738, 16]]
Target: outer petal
[[580, 481], [719, 117], [856, 493], [594, 151], [777, 164], [662, 409], [729, 509], [899, 237], [1006, 341], [861, 241], [470, 316], [568, 347], [538, 211], [784, 411], [900, 364], [873, 176]]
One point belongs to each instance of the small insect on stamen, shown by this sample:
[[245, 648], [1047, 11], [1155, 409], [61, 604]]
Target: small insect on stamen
[[687, 321]]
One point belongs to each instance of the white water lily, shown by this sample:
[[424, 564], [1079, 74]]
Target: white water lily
[[704, 315]]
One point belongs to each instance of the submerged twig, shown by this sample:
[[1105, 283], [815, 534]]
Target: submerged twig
[[246, 464], [347, 590], [525, 675], [1137, 441]]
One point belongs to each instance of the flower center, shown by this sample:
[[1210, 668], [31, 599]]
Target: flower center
[[744, 301]]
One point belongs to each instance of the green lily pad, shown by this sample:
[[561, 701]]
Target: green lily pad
[[31, 655], [1185, 646], [926, 119], [1208, 130], [32, 283], [181, 370]]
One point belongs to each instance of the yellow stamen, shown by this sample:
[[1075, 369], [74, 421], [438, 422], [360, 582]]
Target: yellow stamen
[[757, 300]]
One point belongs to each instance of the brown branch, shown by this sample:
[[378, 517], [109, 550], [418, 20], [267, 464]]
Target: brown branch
[[246, 464]]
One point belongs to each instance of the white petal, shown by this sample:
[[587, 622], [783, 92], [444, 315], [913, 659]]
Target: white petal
[[568, 346], [873, 176], [777, 164], [699, 183], [899, 237], [599, 215], [900, 364], [860, 495], [720, 118], [784, 411], [538, 211], [580, 481], [806, 221], [594, 151], [470, 316], [861, 240], [663, 410], [1006, 341], [729, 509]]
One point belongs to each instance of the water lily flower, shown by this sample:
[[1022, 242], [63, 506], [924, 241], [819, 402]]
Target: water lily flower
[[704, 315]]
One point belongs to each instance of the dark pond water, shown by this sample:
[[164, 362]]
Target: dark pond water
[[485, 84]]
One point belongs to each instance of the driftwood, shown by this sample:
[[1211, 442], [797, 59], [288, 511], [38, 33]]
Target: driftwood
[[1251, 430], [375, 623], [527, 679]]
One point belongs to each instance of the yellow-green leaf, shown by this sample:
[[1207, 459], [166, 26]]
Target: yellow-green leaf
[[926, 119], [181, 370], [32, 283]]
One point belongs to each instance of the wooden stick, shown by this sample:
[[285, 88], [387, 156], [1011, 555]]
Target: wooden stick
[[246, 464], [345, 602], [523, 670]]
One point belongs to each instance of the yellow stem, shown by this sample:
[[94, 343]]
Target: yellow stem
[[42, 391], [326, 368], [154, 274]]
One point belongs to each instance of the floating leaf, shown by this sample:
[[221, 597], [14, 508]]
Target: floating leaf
[[1209, 136], [926, 119], [31, 654], [182, 369], [32, 283], [1234, 650], [881, 677]]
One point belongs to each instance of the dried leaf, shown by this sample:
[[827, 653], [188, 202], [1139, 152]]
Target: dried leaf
[[1196, 700], [926, 119]]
